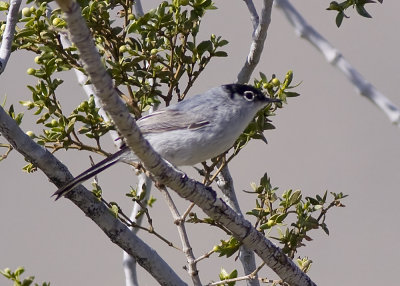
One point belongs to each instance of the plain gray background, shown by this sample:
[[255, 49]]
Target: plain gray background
[[329, 138]]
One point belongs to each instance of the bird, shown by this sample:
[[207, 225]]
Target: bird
[[192, 130]]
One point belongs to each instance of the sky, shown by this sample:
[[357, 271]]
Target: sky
[[330, 138]]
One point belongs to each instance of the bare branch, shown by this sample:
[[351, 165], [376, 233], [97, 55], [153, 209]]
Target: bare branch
[[204, 256], [253, 14], [8, 35], [139, 8], [257, 45], [334, 57], [187, 249]]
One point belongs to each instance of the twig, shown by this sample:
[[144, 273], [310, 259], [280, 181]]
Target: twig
[[9, 149], [128, 261], [187, 212], [8, 35], [127, 221], [187, 249], [204, 256], [251, 276], [334, 57]]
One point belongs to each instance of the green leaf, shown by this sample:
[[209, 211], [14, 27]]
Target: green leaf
[[227, 247], [295, 198], [222, 43], [339, 19], [203, 47], [334, 6], [4, 6], [291, 94], [361, 10], [114, 209], [220, 54], [25, 33]]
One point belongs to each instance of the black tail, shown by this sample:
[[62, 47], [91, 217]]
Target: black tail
[[91, 172]]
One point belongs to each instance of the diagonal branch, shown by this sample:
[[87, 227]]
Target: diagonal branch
[[257, 45], [164, 173], [334, 57], [8, 35]]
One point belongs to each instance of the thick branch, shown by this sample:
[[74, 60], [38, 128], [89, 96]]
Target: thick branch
[[118, 233], [8, 35], [187, 188], [334, 57], [257, 44]]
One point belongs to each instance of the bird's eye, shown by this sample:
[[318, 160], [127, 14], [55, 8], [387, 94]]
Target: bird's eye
[[248, 95]]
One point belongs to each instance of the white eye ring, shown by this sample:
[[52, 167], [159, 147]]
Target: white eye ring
[[248, 95]]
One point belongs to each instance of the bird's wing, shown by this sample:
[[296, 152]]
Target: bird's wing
[[169, 120]]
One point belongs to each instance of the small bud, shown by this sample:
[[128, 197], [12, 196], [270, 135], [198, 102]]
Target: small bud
[[275, 82], [56, 21], [30, 134], [26, 12], [30, 71], [122, 49]]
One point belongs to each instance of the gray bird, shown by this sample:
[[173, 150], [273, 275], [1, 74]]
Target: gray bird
[[191, 131]]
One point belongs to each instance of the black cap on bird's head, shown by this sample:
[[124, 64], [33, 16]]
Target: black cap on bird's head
[[249, 92]]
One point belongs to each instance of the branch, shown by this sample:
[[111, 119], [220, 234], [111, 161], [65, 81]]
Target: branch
[[257, 45], [253, 14], [246, 256], [334, 57], [8, 35], [187, 249], [128, 261], [164, 172], [225, 182], [58, 174], [138, 8]]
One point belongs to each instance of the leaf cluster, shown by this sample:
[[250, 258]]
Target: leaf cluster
[[359, 5], [15, 276], [224, 275], [274, 88], [306, 214]]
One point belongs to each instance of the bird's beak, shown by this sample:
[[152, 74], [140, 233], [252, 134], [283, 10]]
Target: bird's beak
[[274, 99]]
